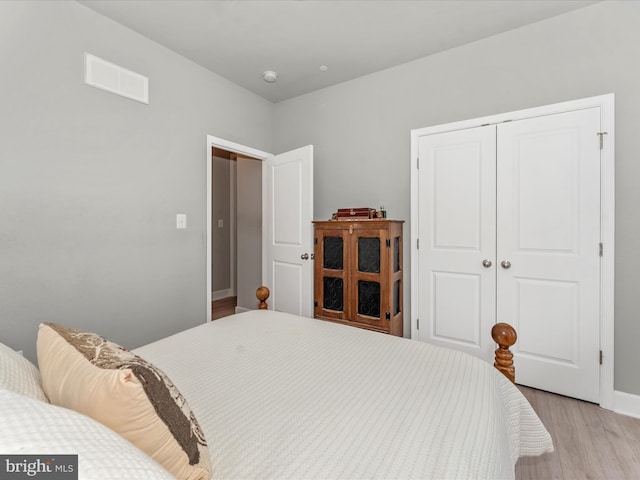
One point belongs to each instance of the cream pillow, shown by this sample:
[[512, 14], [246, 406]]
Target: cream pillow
[[19, 375], [96, 377]]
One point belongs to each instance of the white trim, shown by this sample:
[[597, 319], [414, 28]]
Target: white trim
[[242, 309], [626, 404], [220, 294], [606, 103], [265, 236], [233, 178], [607, 264], [230, 147]]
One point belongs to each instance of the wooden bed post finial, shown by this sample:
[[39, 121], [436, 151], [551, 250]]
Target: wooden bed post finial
[[505, 336], [262, 293]]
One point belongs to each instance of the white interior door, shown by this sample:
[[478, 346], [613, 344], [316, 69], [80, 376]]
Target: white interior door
[[288, 231], [549, 233], [457, 215]]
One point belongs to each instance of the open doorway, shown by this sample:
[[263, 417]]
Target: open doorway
[[280, 199], [234, 226], [236, 222]]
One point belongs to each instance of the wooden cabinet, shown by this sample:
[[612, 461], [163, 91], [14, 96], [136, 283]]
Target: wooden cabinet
[[358, 273]]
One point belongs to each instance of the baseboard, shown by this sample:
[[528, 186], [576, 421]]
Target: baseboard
[[220, 294], [626, 404], [242, 309]]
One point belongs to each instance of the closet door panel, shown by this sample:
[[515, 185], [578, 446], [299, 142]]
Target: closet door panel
[[457, 233], [548, 199]]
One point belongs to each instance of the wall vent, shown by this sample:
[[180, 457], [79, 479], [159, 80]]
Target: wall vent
[[115, 79]]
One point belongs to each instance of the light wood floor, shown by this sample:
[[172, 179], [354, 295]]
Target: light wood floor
[[223, 308], [590, 442]]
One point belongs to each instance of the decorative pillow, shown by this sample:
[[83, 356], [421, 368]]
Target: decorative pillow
[[19, 375], [99, 378], [32, 427]]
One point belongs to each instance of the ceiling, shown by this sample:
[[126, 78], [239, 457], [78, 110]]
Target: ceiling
[[240, 39]]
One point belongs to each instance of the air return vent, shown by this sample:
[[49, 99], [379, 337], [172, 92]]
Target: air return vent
[[115, 79]]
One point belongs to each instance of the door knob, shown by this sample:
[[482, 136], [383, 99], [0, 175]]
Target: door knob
[[304, 256], [486, 263], [506, 264]]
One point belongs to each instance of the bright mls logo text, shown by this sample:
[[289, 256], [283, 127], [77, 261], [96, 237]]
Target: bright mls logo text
[[59, 467]]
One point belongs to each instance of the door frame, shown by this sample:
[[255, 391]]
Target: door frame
[[607, 217], [234, 148]]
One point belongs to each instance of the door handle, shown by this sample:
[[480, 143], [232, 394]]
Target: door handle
[[506, 264], [486, 263], [304, 256]]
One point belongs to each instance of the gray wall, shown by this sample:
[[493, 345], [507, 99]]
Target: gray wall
[[220, 210], [360, 129], [90, 182]]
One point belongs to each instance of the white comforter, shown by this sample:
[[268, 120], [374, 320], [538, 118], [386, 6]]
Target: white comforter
[[280, 396]]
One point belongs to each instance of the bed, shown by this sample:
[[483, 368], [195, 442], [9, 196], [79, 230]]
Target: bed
[[279, 396]]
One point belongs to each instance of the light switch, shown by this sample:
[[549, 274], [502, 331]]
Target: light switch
[[220, 223], [181, 220]]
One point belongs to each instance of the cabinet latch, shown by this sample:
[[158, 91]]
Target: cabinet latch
[[387, 316], [388, 243]]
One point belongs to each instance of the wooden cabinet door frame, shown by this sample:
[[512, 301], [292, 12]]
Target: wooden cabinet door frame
[[376, 277], [321, 272]]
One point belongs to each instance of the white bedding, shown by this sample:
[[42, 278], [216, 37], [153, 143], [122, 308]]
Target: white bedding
[[280, 396], [34, 427]]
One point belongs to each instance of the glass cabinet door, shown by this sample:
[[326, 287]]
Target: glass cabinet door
[[333, 287], [369, 260]]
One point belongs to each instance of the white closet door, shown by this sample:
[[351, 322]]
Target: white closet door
[[548, 178], [457, 233]]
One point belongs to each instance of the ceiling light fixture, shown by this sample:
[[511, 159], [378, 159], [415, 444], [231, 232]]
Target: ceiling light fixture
[[323, 68], [269, 76]]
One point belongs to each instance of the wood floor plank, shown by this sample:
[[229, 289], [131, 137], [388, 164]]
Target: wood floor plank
[[223, 308], [590, 442], [614, 453], [575, 445], [631, 430], [545, 466]]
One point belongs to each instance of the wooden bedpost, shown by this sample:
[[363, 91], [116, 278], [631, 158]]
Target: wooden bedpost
[[262, 293], [505, 336]]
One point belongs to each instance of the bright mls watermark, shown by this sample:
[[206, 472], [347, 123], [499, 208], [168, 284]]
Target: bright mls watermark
[[50, 467]]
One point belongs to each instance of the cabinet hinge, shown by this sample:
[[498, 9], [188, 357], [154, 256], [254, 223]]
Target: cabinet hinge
[[601, 249], [601, 135], [315, 241], [418, 323], [418, 163], [417, 244], [315, 303], [600, 357], [387, 316], [388, 243]]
